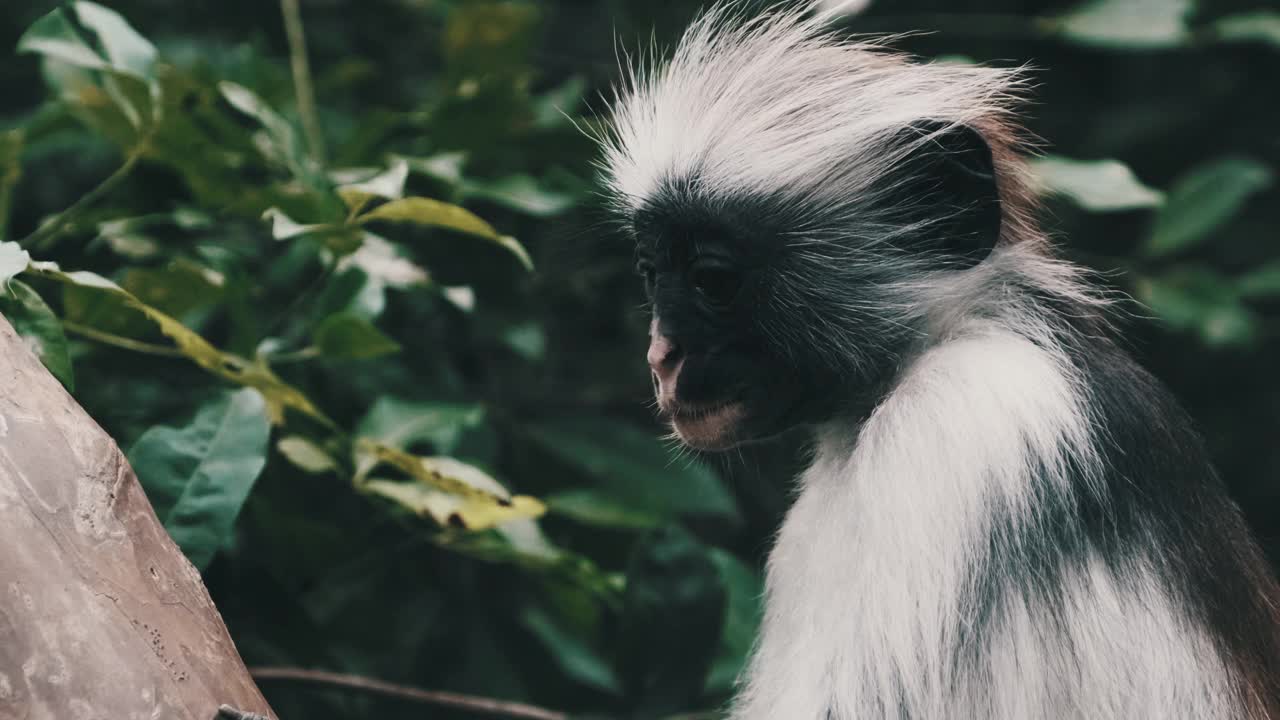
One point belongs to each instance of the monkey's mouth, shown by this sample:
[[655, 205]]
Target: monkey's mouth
[[708, 427]]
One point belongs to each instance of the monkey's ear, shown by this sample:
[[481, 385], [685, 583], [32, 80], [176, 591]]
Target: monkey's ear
[[947, 186]]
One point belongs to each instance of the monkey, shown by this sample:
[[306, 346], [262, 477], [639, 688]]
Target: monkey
[[1004, 515]]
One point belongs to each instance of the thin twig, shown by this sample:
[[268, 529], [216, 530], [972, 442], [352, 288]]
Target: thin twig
[[44, 235], [471, 703], [302, 86], [121, 342], [307, 353]]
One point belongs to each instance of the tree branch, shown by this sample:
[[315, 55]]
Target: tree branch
[[43, 237], [470, 703]]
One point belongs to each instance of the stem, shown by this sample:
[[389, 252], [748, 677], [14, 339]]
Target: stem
[[302, 87], [468, 703], [11, 143], [307, 353], [43, 237], [121, 342]]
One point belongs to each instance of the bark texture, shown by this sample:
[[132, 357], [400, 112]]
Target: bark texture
[[101, 616]]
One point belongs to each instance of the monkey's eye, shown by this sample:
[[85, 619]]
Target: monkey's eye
[[719, 285], [645, 270]]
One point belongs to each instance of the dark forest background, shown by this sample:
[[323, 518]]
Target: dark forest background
[[317, 333]]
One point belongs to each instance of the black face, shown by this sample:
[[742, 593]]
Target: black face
[[757, 328], [720, 376]]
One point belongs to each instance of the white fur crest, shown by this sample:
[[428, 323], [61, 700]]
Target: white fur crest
[[777, 105]]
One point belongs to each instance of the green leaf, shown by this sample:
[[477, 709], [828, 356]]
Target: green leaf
[[279, 394], [593, 507], [1261, 283], [349, 336], [1202, 301], [556, 107], [1204, 199], [199, 476], [384, 264], [39, 327], [13, 260], [306, 455], [388, 184], [1260, 26], [574, 656], [445, 167], [401, 423], [632, 468], [108, 44], [283, 140], [672, 617], [1096, 185], [742, 619], [523, 194], [55, 36], [1137, 24], [178, 289], [126, 50], [434, 213], [284, 227]]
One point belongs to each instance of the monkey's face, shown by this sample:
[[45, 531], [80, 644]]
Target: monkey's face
[[720, 375], [772, 311]]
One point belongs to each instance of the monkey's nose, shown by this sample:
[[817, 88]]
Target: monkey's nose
[[664, 358]]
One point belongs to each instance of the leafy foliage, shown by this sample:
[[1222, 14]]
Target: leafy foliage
[[199, 476], [384, 385]]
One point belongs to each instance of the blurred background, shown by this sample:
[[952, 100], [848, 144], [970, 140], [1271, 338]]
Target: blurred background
[[382, 217]]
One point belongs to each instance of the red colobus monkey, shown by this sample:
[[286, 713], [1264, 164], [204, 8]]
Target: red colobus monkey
[[1005, 516]]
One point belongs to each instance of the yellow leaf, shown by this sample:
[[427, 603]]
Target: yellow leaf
[[257, 375], [434, 213], [447, 490], [306, 455]]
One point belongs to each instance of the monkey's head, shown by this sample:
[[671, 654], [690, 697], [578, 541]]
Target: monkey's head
[[803, 209]]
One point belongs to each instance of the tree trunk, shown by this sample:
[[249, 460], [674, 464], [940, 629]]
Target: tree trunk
[[101, 616]]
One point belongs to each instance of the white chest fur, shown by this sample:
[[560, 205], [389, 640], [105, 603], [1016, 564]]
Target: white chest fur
[[866, 580]]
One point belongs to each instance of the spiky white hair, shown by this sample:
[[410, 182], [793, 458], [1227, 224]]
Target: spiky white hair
[[777, 105]]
